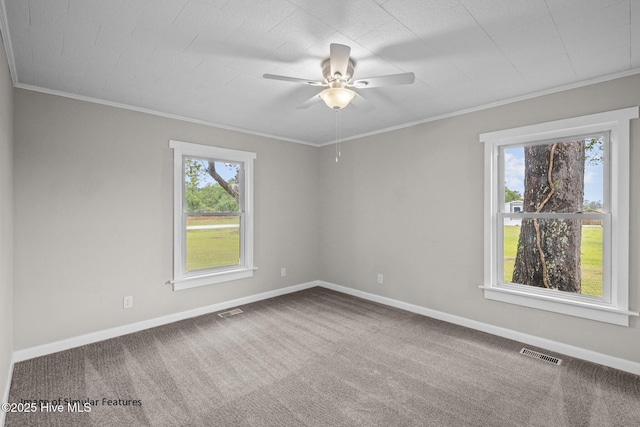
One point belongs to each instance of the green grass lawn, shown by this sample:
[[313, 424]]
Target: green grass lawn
[[211, 220], [213, 248], [220, 247], [591, 257]]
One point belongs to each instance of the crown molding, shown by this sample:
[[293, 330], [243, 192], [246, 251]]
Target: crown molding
[[499, 103], [6, 37]]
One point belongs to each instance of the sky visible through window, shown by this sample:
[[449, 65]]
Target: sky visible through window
[[514, 174], [226, 172]]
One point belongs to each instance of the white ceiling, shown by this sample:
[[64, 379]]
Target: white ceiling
[[204, 59]]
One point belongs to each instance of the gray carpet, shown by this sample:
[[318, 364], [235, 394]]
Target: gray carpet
[[320, 358]]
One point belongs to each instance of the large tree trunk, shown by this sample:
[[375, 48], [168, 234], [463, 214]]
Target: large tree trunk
[[549, 249]]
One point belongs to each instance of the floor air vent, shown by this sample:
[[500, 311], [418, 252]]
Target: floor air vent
[[541, 356], [230, 312]]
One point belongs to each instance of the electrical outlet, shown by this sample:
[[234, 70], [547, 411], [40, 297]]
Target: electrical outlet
[[127, 302], [283, 271], [380, 279]]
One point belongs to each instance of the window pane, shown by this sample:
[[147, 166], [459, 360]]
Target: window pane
[[593, 175], [211, 186], [561, 176], [212, 241], [560, 254], [591, 251]]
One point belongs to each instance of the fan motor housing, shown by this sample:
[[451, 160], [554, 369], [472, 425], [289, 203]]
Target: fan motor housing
[[326, 72]]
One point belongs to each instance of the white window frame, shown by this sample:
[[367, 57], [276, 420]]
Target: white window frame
[[183, 279], [614, 306]]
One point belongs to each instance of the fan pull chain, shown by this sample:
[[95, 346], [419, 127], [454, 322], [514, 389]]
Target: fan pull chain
[[338, 153]]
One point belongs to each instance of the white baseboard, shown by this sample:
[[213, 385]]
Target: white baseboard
[[41, 350], [569, 350], [558, 347]]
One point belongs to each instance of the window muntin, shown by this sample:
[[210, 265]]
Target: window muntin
[[213, 214], [613, 304]]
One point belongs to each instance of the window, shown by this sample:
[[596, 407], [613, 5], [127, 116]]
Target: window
[[566, 249], [213, 215]]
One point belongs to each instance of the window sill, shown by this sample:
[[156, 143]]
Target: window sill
[[583, 309], [212, 278]]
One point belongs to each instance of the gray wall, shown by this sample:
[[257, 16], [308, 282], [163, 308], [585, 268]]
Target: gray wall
[[93, 203], [93, 216], [6, 220], [409, 204]]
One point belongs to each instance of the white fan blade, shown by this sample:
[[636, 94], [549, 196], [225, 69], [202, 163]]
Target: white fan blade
[[309, 102], [391, 80], [339, 57], [294, 79], [362, 104]]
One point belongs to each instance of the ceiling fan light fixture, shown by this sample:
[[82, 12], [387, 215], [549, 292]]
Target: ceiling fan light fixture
[[337, 97]]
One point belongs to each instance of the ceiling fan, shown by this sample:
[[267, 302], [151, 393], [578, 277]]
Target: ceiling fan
[[337, 71]]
